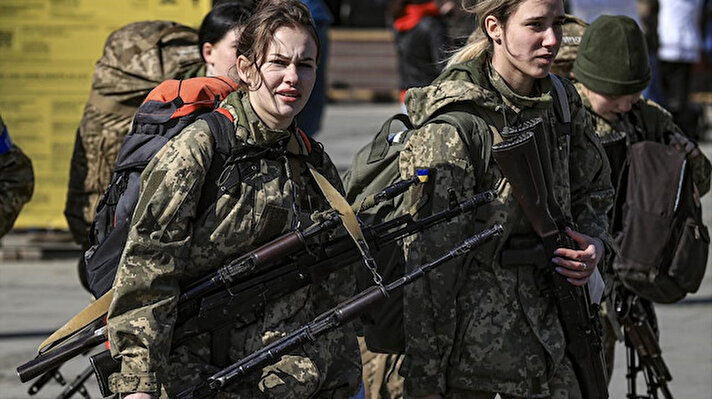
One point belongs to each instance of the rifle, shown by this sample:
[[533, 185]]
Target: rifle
[[527, 166], [53, 374], [300, 264], [329, 320], [78, 385], [641, 341]]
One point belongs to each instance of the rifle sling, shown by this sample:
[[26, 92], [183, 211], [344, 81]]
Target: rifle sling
[[94, 311], [348, 217]]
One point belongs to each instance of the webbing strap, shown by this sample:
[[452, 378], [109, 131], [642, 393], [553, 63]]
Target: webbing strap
[[94, 311], [348, 218]]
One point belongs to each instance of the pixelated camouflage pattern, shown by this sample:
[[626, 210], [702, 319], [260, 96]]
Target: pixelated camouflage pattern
[[473, 324], [658, 127], [572, 33], [17, 181], [169, 246], [381, 379], [136, 58]]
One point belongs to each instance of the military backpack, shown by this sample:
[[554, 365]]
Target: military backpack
[[136, 58], [664, 243]]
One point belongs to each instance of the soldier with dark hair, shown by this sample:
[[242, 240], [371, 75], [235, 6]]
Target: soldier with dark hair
[[218, 36], [17, 180], [171, 244]]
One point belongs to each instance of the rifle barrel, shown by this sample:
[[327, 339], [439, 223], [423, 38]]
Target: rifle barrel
[[343, 313], [59, 355]]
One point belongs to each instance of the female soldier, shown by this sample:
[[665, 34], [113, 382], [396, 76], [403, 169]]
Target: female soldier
[[482, 327], [611, 70], [218, 36], [170, 245]]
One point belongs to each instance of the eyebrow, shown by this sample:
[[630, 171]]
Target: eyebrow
[[284, 57]]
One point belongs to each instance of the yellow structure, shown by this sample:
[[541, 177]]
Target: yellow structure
[[47, 53]]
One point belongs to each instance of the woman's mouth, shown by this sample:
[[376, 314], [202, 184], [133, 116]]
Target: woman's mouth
[[289, 95]]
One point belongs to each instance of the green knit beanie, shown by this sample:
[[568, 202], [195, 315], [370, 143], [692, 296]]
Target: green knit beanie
[[612, 57]]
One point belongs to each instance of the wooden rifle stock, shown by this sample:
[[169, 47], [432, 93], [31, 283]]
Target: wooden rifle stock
[[526, 165]]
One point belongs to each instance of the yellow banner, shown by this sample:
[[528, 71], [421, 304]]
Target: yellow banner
[[47, 53]]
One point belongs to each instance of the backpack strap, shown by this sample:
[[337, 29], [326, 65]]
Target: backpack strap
[[226, 147], [563, 112], [382, 142], [562, 97]]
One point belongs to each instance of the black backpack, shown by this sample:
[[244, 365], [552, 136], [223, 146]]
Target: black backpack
[[664, 243], [167, 110]]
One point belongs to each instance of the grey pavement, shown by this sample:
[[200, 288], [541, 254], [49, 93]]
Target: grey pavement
[[37, 296]]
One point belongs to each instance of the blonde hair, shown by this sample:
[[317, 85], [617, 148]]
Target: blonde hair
[[479, 42]]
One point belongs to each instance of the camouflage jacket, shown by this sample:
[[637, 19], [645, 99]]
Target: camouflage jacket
[[645, 121], [17, 180], [474, 324], [170, 246]]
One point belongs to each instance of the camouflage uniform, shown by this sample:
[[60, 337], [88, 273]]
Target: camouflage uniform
[[571, 38], [16, 180], [645, 121], [474, 325], [380, 373], [169, 246]]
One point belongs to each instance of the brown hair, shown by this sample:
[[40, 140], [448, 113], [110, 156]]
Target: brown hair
[[500, 9], [270, 15]]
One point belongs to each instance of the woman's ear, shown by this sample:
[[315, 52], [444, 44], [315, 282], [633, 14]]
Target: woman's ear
[[207, 52], [493, 28], [245, 70]]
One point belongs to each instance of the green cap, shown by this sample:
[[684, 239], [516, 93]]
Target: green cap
[[612, 58]]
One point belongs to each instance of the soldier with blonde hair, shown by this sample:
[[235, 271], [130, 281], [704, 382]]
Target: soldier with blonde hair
[[483, 326]]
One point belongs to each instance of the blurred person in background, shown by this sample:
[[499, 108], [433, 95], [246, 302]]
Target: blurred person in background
[[460, 23], [680, 34], [648, 10], [421, 41], [17, 180], [311, 116]]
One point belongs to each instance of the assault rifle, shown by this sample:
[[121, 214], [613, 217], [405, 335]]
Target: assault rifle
[[641, 342], [331, 319], [524, 160], [268, 272]]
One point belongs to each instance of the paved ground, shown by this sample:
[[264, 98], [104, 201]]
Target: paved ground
[[38, 296]]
